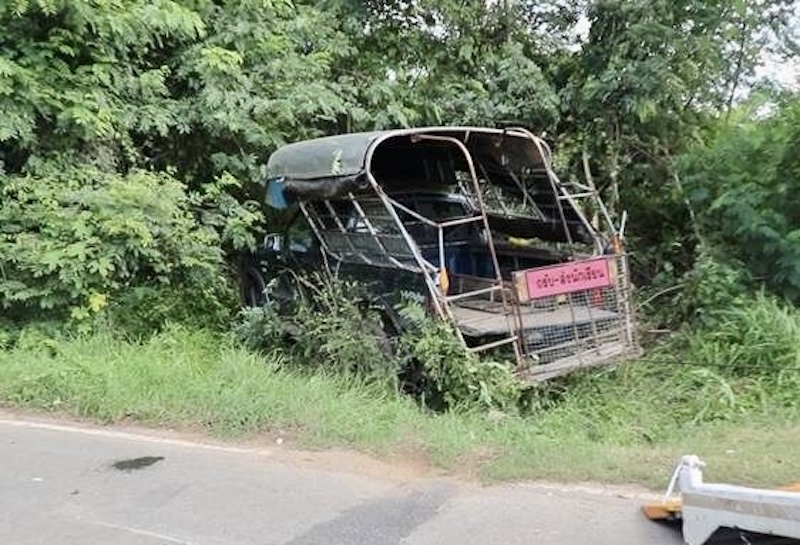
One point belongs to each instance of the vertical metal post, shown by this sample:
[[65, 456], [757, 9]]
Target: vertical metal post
[[508, 310]]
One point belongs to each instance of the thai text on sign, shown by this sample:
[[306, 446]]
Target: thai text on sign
[[568, 278]]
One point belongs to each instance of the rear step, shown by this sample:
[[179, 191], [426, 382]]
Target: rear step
[[495, 344], [599, 356]]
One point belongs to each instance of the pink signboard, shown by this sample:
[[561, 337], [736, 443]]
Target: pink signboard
[[568, 277]]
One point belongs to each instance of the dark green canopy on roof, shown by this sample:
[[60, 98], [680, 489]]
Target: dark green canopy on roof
[[325, 168], [344, 155], [328, 157]]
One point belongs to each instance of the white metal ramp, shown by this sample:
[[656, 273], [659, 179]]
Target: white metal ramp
[[705, 508]]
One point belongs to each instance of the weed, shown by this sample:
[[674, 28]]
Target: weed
[[455, 377], [623, 425], [334, 325], [330, 324]]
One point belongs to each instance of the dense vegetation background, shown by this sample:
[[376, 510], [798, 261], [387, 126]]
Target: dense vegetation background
[[133, 134]]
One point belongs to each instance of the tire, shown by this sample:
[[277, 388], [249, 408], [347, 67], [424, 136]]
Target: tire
[[253, 287]]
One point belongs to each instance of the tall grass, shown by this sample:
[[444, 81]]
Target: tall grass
[[703, 392], [746, 367], [182, 377]]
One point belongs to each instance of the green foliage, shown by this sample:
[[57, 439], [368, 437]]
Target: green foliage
[[746, 362], [460, 378], [623, 426], [714, 286], [343, 331], [97, 215], [650, 77], [202, 90], [132, 133], [262, 76], [714, 283], [77, 240], [742, 367], [442, 63], [759, 338], [15, 334], [334, 325], [329, 325], [82, 232], [745, 183], [142, 310], [81, 73]]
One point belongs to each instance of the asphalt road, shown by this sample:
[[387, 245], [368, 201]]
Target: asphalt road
[[69, 484]]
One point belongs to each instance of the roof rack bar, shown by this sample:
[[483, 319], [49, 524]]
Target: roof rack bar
[[576, 195], [412, 213], [474, 293], [460, 221], [430, 222]]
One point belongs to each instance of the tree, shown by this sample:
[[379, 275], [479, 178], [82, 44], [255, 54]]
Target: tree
[[650, 77], [98, 93], [260, 77], [92, 206], [432, 63], [84, 78], [746, 182]]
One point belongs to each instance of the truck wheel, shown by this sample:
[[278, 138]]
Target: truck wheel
[[253, 287]]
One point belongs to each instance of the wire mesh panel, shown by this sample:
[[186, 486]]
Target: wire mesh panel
[[576, 314], [360, 231]]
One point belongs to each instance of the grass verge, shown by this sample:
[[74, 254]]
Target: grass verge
[[619, 427]]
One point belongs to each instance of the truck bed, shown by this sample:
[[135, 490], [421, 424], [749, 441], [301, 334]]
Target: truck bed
[[485, 318]]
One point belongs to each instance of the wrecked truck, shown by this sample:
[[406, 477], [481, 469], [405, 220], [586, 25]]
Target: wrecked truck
[[473, 220]]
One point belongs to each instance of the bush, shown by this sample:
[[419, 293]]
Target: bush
[[77, 240], [744, 185], [747, 359], [741, 366], [714, 285], [331, 324], [455, 377], [334, 324], [757, 338]]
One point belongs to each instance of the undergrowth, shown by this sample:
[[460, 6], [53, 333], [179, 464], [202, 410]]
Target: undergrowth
[[745, 358], [628, 424], [727, 388], [334, 324], [746, 365]]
